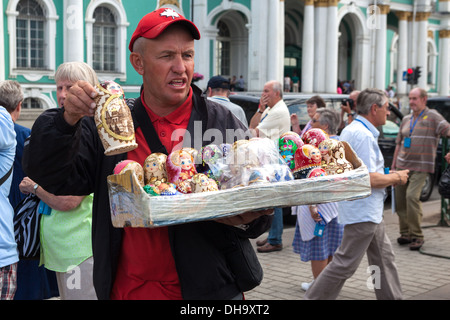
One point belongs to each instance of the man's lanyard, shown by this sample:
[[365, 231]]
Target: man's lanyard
[[365, 125], [411, 125]]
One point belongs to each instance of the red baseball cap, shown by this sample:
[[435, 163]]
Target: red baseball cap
[[154, 23]]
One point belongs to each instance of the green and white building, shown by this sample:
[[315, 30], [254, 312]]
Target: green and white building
[[371, 43]]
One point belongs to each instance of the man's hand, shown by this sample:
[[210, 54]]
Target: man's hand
[[447, 157], [245, 218], [79, 102], [402, 177]]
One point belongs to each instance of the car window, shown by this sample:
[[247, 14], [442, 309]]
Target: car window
[[301, 111], [442, 106], [390, 129]]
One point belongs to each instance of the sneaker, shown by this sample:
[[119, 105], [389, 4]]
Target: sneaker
[[305, 285], [269, 248], [404, 240], [416, 244]]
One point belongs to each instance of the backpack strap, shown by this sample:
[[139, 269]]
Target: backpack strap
[[142, 120], [6, 176]]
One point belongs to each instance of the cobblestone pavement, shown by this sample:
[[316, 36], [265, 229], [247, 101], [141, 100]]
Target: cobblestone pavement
[[424, 275]]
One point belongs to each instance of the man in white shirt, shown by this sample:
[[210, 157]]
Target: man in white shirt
[[271, 120], [218, 90], [364, 230]]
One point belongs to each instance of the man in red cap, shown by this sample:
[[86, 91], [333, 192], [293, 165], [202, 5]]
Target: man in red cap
[[203, 260]]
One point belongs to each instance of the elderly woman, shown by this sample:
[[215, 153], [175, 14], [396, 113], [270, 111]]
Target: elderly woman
[[66, 232], [312, 105], [328, 120], [318, 249]]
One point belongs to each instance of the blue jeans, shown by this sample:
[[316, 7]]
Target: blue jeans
[[276, 230]]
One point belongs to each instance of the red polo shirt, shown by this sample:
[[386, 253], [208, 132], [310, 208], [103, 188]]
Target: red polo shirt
[[146, 267]]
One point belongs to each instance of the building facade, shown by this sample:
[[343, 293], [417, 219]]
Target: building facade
[[367, 42]]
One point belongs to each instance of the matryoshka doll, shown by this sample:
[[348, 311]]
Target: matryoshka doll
[[338, 154], [155, 169], [314, 136], [306, 158], [113, 119], [201, 183], [288, 144], [130, 165], [333, 157], [180, 166]]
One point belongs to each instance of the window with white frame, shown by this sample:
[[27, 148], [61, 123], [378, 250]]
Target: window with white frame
[[106, 38], [32, 33], [31, 103], [223, 50], [104, 31]]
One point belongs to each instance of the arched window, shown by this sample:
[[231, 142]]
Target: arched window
[[106, 39], [30, 35], [31, 103], [32, 32], [223, 50], [104, 31]]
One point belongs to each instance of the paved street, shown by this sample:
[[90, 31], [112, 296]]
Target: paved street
[[423, 275]]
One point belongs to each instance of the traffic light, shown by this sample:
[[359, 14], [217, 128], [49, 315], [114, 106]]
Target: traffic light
[[417, 73], [410, 76]]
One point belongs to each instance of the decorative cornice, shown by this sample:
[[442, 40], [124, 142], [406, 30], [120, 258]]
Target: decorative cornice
[[384, 8], [333, 3], [444, 34], [422, 16], [402, 15], [309, 2], [321, 3], [169, 2]]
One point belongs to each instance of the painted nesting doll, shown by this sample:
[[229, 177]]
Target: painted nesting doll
[[288, 144], [201, 183], [155, 169], [314, 136], [180, 166], [333, 157], [113, 119], [130, 165], [306, 158]]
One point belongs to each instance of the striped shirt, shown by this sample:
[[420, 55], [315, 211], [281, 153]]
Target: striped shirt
[[424, 141]]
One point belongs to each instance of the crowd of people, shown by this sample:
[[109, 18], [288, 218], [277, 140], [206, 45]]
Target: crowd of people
[[65, 166]]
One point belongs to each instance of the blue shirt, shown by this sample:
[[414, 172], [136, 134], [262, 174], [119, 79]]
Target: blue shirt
[[363, 138], [15, 195], [8, 247]]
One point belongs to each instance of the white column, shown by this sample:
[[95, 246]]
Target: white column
[[202, 48], [320, 45], [402, 51], [73, 30], [2, 48], [307, 79], [380, 51], [258, 46], [422, 47], [273, 34], [444, 62], [332, 49]]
